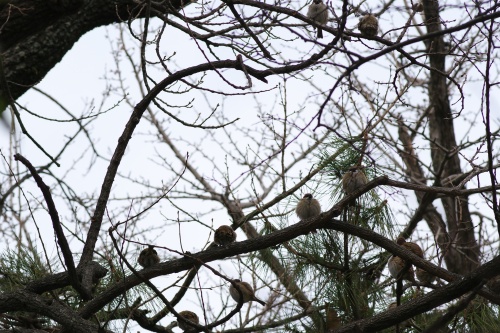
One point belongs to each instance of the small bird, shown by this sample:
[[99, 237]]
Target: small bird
[[368, 25], [413, 247], [353, 179], [148, 257], [318, 12], [224, 235], [333, 321], [308, 207], [391, 306], [418, 7], [246, 291], [424, 276], [396, 264], [188, 315]]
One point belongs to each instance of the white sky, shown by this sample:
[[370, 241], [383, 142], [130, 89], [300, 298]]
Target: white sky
[[78, 81]]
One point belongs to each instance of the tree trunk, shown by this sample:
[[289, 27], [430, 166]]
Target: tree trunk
[[445, 160]]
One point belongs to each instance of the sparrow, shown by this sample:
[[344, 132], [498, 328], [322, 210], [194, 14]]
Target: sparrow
[[148, 257], [396, 264], [333, 321], [224, 235], [418, 7], [353, 179], [188, 315], [307, 207], [391, 306], [413, 247], [318, 12], [246, 291], [424, 276], [368, 25]]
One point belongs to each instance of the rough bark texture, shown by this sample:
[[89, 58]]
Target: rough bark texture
[[445, 160], [35, 35]]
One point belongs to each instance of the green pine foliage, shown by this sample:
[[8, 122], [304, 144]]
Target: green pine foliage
[[317, 260], [18, 268]]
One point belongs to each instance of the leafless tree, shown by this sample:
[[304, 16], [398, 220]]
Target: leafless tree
[[228, 113]]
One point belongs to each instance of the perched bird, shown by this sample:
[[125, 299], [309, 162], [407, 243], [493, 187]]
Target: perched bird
[[246, 291], [368, 25], [413, 247], [353, 179], [224, 235], [333, 321], [418, 7], [318, 12], [424, 276], [396, 265], [308, 207], [188, 315], [391, 306], [148, 257]]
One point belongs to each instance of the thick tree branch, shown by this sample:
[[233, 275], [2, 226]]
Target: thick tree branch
[[23, 300], [278, 237]]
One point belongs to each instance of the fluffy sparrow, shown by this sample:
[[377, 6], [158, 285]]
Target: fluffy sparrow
[[368, 25], [318, 12], [307, 207], [353, 179], [188, 315], [148, 257], [396, 264], [424, 276], [391, 306], [418, 7], [333, 321], [224, 235], [246, 291], [413, 247]]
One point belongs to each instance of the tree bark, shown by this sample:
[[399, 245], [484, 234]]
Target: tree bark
[[35, 35], [445, 160]]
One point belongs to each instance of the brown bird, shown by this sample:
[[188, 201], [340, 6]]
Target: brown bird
[[368, 25], [246, 291], [413, 247], [391, 306], [418, 7], [188, 315], [333, 321], [318, 12], [424, 276], [353, 179], [396, 265], [148, 257], [308, 207], [224, 235]]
